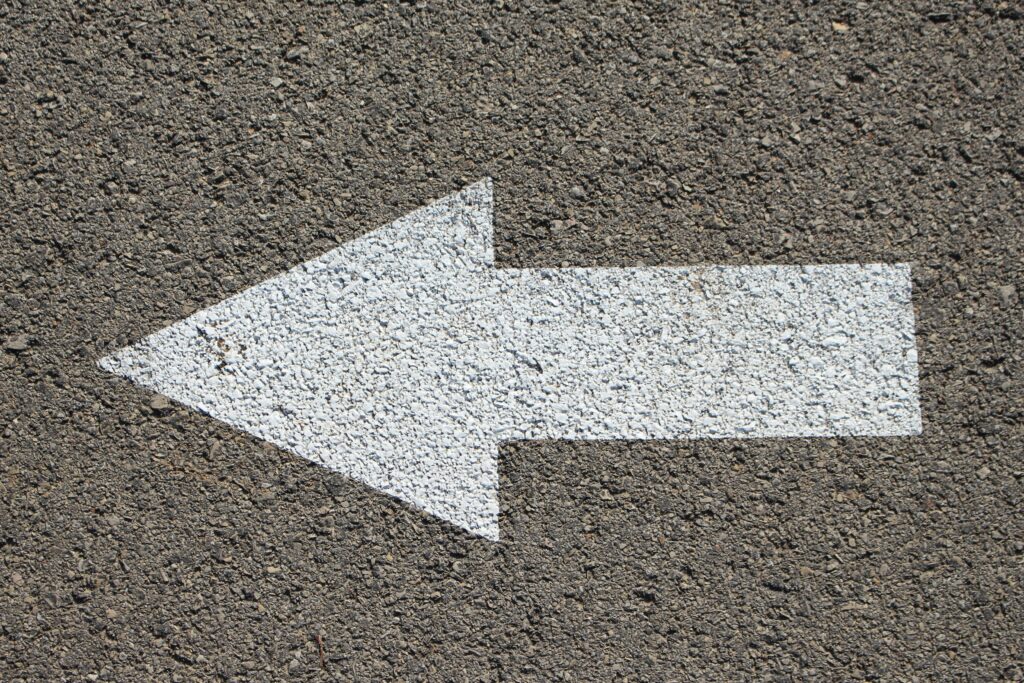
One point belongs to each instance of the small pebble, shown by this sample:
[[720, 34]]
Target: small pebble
[[17, 343], [1007, 295], [160, 403]]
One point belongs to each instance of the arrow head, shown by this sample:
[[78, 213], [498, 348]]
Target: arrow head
[[369, 360]]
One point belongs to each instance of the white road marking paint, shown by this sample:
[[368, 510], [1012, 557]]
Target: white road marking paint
[[404, 358]]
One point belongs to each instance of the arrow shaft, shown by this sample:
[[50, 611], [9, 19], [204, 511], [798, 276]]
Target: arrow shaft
[[753, 351]]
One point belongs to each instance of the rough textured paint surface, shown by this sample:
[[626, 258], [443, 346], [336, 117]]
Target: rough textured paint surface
[[404, 358]]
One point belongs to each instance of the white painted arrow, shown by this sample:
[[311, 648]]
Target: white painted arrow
[[404, 358]]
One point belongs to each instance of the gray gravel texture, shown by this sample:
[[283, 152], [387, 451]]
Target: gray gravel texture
[[158, 160]]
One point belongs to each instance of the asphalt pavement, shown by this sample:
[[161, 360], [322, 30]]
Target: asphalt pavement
[[158, 159]]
